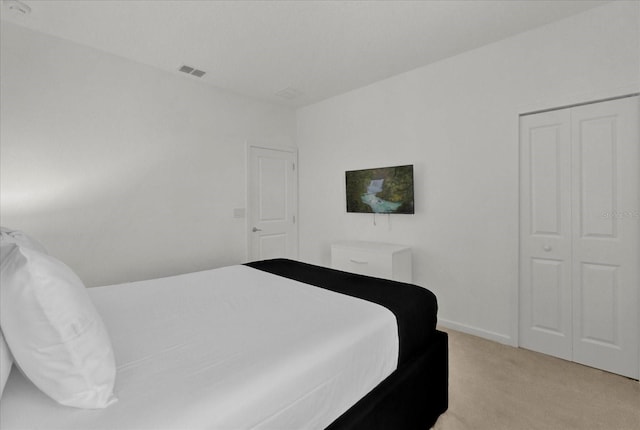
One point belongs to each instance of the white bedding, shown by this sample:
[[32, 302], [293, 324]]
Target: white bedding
[[230, 348]]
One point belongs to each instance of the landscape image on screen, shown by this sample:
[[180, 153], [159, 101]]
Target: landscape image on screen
[[380, 190]]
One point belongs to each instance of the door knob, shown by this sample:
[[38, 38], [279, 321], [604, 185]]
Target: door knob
[[256, 229], [546, 248]]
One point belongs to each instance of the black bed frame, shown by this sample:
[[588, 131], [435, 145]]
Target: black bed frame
[[412, 397]]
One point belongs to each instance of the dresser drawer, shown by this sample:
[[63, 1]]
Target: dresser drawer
[[381, 260], [362, 262]]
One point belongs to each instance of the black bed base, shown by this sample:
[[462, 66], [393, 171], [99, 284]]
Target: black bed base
[[412, 397]]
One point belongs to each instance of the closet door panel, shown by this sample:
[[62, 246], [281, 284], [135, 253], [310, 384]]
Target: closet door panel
[[599, 308], [545, 234], [606, 219], [596, 150]]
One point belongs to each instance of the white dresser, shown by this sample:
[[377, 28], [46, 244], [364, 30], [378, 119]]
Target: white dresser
[[382, 260]]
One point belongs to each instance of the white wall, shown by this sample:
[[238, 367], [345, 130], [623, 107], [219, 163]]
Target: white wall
[[457, 122], [124, 172]]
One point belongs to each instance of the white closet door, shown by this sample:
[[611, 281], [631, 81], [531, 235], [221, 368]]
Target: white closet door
[[606, 219], [580, 234], [545, 236]]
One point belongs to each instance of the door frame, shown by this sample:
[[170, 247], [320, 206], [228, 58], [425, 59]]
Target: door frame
[[561, 103], [274, 145]]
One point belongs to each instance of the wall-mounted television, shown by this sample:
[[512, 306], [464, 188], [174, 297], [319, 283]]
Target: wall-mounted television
[[387, 190]]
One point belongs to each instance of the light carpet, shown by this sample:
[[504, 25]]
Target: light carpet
[[494, 386]]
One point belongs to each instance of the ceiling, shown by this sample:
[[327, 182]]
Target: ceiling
[[289, 52]]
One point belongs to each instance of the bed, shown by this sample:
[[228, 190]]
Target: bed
[[274, 344]]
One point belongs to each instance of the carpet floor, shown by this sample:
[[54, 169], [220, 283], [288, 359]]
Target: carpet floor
[[494, 386]]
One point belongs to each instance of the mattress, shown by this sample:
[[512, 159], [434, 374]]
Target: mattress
[[228, 348]]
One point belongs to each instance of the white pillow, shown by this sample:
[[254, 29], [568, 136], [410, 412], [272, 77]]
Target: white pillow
[[53, 330], [6, 361], [8, 236]]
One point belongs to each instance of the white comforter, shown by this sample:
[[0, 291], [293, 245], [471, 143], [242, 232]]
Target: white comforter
[[230, 348]]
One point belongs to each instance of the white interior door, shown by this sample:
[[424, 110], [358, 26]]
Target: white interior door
[[606, 235], [545, 236], [580, 235], [272, 203]]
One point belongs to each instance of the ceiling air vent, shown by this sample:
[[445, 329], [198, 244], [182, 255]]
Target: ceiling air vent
[[192, 71], [289, 93], [18, 6]]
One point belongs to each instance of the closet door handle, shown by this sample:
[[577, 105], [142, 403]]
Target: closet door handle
[[546, 248]]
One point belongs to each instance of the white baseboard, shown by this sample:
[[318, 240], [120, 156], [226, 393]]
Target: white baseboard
[[486, 334]]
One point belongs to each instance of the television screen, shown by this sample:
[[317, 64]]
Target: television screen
[[384, 190]]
